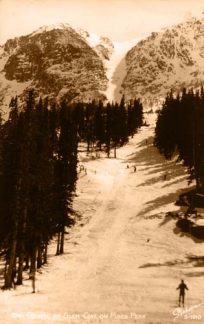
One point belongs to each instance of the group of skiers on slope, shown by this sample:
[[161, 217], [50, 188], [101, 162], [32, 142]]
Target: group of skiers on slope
[[134, 167], [82, 168], [182, 286]]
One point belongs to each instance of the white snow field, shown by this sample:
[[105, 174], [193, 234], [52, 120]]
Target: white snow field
[[116, 69], [124, 259]]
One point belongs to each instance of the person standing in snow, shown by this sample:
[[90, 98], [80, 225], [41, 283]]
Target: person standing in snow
[[182, 287]]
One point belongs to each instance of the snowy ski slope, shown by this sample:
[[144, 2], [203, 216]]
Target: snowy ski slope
[[124, 259]]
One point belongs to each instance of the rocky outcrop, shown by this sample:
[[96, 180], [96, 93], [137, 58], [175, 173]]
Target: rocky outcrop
[[57, 61], [170, 59], [61, 62]]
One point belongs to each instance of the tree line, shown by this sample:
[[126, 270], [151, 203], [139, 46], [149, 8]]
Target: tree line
[[38, 171], [179, 130], [107, 127]]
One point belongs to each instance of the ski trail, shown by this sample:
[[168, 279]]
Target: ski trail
[[123, 265]]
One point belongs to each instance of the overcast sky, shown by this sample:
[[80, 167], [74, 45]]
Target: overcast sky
[[118, 19]]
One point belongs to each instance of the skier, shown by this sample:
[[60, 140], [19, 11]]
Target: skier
[[135, 169], [182, 287]]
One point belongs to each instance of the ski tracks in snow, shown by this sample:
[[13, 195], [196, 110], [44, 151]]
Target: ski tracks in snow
[[115, 262]]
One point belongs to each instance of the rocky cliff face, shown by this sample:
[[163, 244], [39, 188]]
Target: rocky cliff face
[[61, 62], [58, 61], [170, 59]]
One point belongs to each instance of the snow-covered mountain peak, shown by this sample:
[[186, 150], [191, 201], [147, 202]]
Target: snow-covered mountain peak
[[92, 39], [60, 60], [47, 28]]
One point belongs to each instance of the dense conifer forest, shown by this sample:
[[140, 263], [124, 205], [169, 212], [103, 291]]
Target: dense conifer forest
[[179, 131], [38, 171]]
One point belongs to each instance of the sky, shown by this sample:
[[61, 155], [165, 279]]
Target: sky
[[121, 20]]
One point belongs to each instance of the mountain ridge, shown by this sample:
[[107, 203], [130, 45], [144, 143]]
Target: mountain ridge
[[170, 59], [62, 62], [56, 61]]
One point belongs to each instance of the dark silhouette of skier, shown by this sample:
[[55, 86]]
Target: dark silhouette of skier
[[182, 287], [81, 168]]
